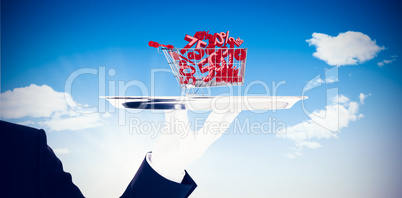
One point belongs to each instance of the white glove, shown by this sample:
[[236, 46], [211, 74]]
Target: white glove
[[178, 147]]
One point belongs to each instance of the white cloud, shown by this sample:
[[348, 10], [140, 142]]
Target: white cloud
[[27, 123], [61, 151], [349, 48], [384, 62], [331, 79], [331, 76], [363, 97], [323, 124], [79, 122], [43, 102], [341, 99], [313, 83], [32, 101], [311, 145]]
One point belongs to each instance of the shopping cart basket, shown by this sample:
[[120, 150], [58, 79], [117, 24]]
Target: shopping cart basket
[[198, 68]]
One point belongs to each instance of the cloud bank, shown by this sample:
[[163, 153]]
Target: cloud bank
[[323, 124], [43, 102], [349, 48], [32, 101]]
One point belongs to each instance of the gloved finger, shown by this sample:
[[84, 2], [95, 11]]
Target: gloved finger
[[170, 132], [215, 125], [177, 122]]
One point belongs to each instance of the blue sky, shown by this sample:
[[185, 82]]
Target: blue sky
[[44, 42]]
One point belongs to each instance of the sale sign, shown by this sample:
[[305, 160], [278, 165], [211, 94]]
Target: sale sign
[[214, 56]]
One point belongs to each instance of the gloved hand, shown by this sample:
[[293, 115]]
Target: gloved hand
[[178, 146]]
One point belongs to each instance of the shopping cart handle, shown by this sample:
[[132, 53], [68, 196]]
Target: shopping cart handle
[[156, 45], [153, 44]]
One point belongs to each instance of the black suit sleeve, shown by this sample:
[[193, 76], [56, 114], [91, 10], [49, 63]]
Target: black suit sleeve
[[31, 169], [148, 183], [54, 182]]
